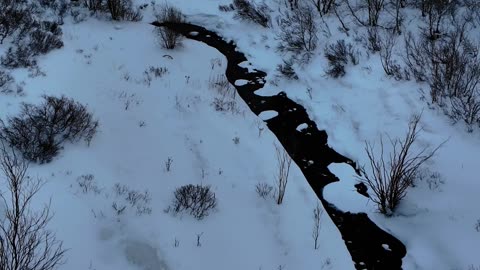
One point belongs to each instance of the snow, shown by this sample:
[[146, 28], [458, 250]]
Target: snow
[[302, 127], [144, 122], [267, 115], [241, 82]]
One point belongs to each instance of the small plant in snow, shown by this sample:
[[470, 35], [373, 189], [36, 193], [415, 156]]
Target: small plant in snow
[[137, 200], [87, 184], [196, 200], [477, 226], [168, 164], [220, 83], [263, 190], [176, 242], [199, 235], [225, 104], [236, 140], [317, 216]]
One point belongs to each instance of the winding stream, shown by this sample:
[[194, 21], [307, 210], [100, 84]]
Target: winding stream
[[369, 246]]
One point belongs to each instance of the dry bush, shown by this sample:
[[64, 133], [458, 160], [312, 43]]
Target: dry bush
[[374, 40], [5, 80], [339, 55], [39, 131], [13, 18], [451, 67], [169, 39], [298, 32], [283, 170], [391, 174], [25, 241], [41, 38], [373, 9], [123, 10], [435, 12], [197, 200], [95, 5], [287, 70], [390, 66], [323, 6], [249, 11]]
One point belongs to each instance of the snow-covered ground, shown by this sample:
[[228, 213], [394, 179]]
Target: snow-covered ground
[[145, 120]]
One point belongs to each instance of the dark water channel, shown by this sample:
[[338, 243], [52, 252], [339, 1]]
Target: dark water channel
[[369, 246]]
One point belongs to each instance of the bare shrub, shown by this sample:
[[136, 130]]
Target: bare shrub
[[169, 39], [317, 217], [392, 174], [5, 80], [13, 18], [374, 41], [197, 200], [397, 5], [435, 12], [123, 10], [287, 70], [323, 6], [40, 130], [226, 8], [247, 10], [25, 241], [41, 38], [263, 190], [390, 66], [416, 57], [373, 8], [339, 55], [298, 33], [95, 5], [283, 170], [451, 67], [45, 38], [16, 57], [59, 8]]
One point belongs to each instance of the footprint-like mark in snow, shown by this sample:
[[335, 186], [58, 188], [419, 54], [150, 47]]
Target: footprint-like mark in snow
[[143, 255]]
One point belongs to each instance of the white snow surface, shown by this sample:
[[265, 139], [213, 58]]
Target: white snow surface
[[143, 123]]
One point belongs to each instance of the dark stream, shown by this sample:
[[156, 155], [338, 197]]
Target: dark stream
[[369, 246]]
